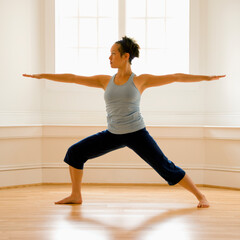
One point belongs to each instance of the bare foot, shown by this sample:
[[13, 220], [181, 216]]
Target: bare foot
[[203, 203], [70, 200]]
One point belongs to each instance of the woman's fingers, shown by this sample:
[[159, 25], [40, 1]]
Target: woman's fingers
[[28, 75], [32, 75], [221, 76], [217, 77]]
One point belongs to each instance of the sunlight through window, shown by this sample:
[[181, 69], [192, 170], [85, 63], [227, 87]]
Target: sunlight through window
[[86, 30], [162, 29]]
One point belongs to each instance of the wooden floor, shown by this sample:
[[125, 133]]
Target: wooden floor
[[121, 212]]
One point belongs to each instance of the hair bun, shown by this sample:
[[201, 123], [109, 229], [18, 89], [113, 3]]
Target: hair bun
[[129, 45]]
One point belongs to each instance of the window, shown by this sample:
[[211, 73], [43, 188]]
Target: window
[[86, 30], [162, 30]]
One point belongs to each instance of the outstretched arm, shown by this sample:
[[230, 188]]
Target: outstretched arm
[[154, 81], [98, 81]]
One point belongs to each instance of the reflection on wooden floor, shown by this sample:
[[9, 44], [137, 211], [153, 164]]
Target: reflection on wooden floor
[[118, 212]]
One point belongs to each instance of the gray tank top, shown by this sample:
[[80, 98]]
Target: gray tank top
[[122, 105]]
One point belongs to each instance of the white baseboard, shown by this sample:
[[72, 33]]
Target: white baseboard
[[141, 173], [223, 177], [113, 173], [20, 175]]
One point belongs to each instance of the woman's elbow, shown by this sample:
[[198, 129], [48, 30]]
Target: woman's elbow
[[177, 77]]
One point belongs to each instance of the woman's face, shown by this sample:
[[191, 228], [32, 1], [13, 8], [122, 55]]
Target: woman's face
[[116, 60]]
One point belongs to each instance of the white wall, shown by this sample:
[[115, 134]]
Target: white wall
[[219, 40], [21, 51], [220, 54], [30, 154]]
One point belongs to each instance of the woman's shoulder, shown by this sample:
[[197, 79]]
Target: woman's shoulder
[[140, 81], [104, 79], [142, 76]]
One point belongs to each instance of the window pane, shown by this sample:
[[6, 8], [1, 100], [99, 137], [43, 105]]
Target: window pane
[[88, 32], [107, 31], [156, 33], [87, 8], [87, 60], [156, 8], [67, 8], [66, 60], [156, 61], [176, 8], [107, 8], [136, 29], [172, 33], [136, 8], [103, 62], [176, 62], [176, 30], [139, 66], [69, 32]]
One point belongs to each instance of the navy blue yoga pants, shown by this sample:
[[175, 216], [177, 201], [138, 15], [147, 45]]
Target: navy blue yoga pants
[[140, 142]]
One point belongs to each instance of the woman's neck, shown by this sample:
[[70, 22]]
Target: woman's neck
[[123, 72]]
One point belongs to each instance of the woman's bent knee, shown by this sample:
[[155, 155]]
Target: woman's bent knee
[[73, 158]]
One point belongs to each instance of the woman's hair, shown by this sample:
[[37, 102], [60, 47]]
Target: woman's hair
[[129, 45]]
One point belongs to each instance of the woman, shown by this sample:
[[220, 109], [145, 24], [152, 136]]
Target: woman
[[125, 123]]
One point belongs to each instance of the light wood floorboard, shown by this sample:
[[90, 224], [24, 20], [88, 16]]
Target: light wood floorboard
[[118, 212]]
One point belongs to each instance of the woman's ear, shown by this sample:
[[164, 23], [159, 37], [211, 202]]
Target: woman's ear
[[127, 56]]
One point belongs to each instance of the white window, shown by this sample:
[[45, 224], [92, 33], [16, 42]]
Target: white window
[[162, 29], [86, 30]]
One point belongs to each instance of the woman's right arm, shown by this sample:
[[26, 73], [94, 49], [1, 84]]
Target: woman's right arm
[[99, 81]]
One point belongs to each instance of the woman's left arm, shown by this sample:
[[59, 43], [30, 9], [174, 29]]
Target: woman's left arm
[[196, 78], [154, 81]]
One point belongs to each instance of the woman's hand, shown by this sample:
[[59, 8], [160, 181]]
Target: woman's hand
[[38, 76], [210, 78]]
